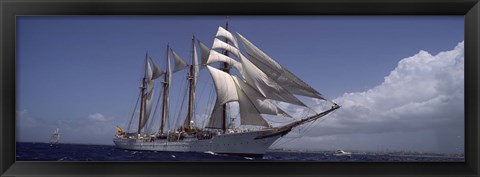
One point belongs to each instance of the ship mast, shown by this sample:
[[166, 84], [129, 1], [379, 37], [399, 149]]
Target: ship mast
[[226, 69], [142, 103], [166, 90], [191, 77]]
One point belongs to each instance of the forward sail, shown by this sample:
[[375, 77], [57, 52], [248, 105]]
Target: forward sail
[[278, 73]]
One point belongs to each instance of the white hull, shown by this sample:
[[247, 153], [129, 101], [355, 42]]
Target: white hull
[[244, 143]]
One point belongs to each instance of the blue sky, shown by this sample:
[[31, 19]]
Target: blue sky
[[69, 68]]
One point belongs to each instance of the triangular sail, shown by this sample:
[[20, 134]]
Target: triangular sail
[[275, 71], [204, 53], [249, 114], [179, 62], [216, 120], [157, 72], [149, 79], [266, 86], [260, 103]]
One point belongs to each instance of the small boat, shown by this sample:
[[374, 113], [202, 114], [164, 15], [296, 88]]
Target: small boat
[[342, 153], [55, 137]]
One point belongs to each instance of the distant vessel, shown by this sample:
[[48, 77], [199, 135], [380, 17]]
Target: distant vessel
[[342, 153], [55, 137], [259, 83]]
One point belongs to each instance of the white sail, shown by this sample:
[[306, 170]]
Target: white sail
[[278, 73], [249, 114], [148, 108], [195, 65], [216, 118], [148, 95], [221, 32], [254, 76], [55, 136], [169, 72], [204, 53], [251, 103], [219, 44], [149, 80], [215, 56], [266, 86], [224, 86], [149, 72], [260, 103], [157, 72], [179, 62]]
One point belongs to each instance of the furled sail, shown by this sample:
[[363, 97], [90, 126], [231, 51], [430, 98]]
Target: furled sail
[[195, 65], [278, 73], [179, 62]]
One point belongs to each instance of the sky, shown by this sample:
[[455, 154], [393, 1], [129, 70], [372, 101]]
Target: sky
[[399, 79]]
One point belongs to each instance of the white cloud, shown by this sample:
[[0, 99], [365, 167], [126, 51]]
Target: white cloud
[[424, 92], [98, 117]]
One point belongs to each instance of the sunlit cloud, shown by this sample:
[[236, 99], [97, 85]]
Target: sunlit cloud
[[424, 92]]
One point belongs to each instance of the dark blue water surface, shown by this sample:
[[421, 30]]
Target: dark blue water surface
[[76, 152]]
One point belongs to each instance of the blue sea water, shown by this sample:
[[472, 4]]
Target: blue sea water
[[77, 152]]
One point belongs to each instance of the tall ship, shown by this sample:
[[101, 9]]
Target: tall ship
[[249, 86], [55, 137]]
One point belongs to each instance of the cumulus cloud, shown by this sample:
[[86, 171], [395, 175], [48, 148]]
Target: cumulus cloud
[[98, 117], [424, 92]]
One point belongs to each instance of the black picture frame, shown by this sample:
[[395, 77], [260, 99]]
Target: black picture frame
[[10, 9]]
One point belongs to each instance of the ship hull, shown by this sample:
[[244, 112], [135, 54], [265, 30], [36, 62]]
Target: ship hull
[[250, 144]]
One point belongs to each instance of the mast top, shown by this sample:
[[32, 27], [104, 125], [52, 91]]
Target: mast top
[[226, 24]]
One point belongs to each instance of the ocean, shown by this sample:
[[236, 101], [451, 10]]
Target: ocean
[[77, 152]]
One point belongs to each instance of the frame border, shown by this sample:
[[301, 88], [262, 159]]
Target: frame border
[[12, 8]]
